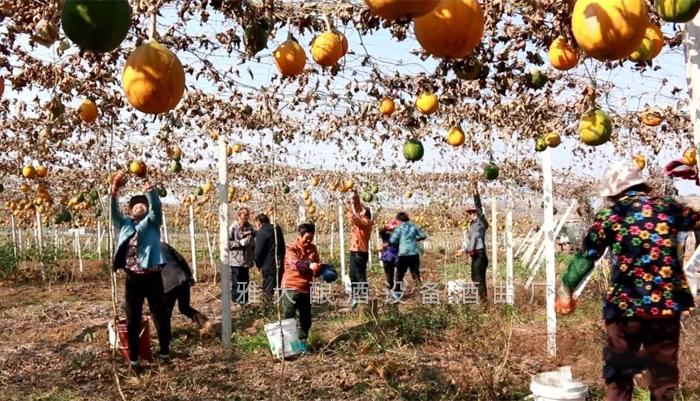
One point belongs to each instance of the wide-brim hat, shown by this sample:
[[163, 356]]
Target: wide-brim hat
[[621, 176]]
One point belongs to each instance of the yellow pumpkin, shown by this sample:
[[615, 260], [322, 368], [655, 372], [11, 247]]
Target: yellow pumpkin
[[387, 106], [552, 139], [394, 9], [690, 157], [455, 136], [237, 148], [651, 44], [153, 79], [315, 181], [328, 48], [640, 161], [290, 58], [427, 103], [87, 111], [561, 55], [229, 150], [452, 29], [28, 171], [609, 29], [651, 118]]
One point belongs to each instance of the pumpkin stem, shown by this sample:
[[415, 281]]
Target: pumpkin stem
[[152, 34], [329, 26], [289, 31]]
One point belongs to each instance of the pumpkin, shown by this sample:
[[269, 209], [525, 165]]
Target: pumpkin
[[138, 168], [452, 29], [468, 71], [285, 189], [640, 161], [387, 106], [367, 197], [175, 166], [413, 150], [290, 58], [374, 188], [255, 37], [690, 157], [552, 139], [28, 171], [651, 118], [455, 136], [395, 9], [540, 144], [491, 171], [42, 172], [162, 192], [561, 55], [328, 48], [677, 10], [536, 79], [87, 111], [595, 127], [609, 29], [153, 79], [97, 26], [427, 103], [315, 181], [651, 44]]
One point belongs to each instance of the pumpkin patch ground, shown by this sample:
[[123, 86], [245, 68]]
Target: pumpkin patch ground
[[296, 111]]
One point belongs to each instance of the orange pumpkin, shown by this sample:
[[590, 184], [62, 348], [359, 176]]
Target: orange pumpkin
[[290, 58], [387, 106], [328, 48], [651, 44], [427, 103], [561, 55], [87, 111], [609, 29], [394, 9], [153, 79], [452, 29], [651, 118]]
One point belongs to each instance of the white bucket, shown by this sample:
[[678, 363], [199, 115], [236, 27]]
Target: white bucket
[[347, 284], [292, 345], [693, 281], [558, 386], [455, 290], [112, 334]]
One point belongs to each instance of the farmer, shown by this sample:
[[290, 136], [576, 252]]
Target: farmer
[[406, 236], [269, 253], [301, 265], [390, 252], [476, 245], [139, 255], [177, 280], [241, 244], [360, 232], [648, 290]]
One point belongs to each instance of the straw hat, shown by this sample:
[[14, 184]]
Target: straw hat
[[620, 176]]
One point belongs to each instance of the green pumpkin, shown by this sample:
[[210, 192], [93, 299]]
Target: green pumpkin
[[491, 171], [595, 127], [255, 37], [96, 25], [199, 191], [367, 197], [175, 166], [540, 144], [94, 196], [536, 79], [374, 188], [285, 189], [468, 71], [677, 10], [162, 192], [413, 150]]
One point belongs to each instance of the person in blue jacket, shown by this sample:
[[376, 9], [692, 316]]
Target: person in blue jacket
[[139, 255], [406, 236]]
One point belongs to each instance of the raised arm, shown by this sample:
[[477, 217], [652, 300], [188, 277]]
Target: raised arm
[[155, 212], [117, 216]]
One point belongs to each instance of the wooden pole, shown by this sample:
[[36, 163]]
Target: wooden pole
[[193, 244], [550, 271], [531, 248], [223, 247], [535, 265], [341, 236], [510, 290], [494, 239], [19, 237]]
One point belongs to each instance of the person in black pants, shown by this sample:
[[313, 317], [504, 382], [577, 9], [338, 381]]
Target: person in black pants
[[476, 245], [177, 280], [406, 236], [269, 253]]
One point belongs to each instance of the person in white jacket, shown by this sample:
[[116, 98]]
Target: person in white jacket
[[241, 245]]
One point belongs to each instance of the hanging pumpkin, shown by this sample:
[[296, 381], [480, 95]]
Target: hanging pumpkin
[[427, 103], [651, 44], [677, 10], [609, 29], [290, 58], [413, 150], [255, 37], [595, 127], [640, 161], [452, 29], [395, 9], [561, 55], [153, 79], [651, 118], [328, 48], [455, 136], [87, 111], [96, 25], [387, 106]]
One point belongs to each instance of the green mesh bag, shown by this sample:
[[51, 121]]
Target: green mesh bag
[[579, 267]]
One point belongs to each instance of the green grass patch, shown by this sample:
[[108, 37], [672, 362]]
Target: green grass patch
[[56, 395], [250, 344]]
